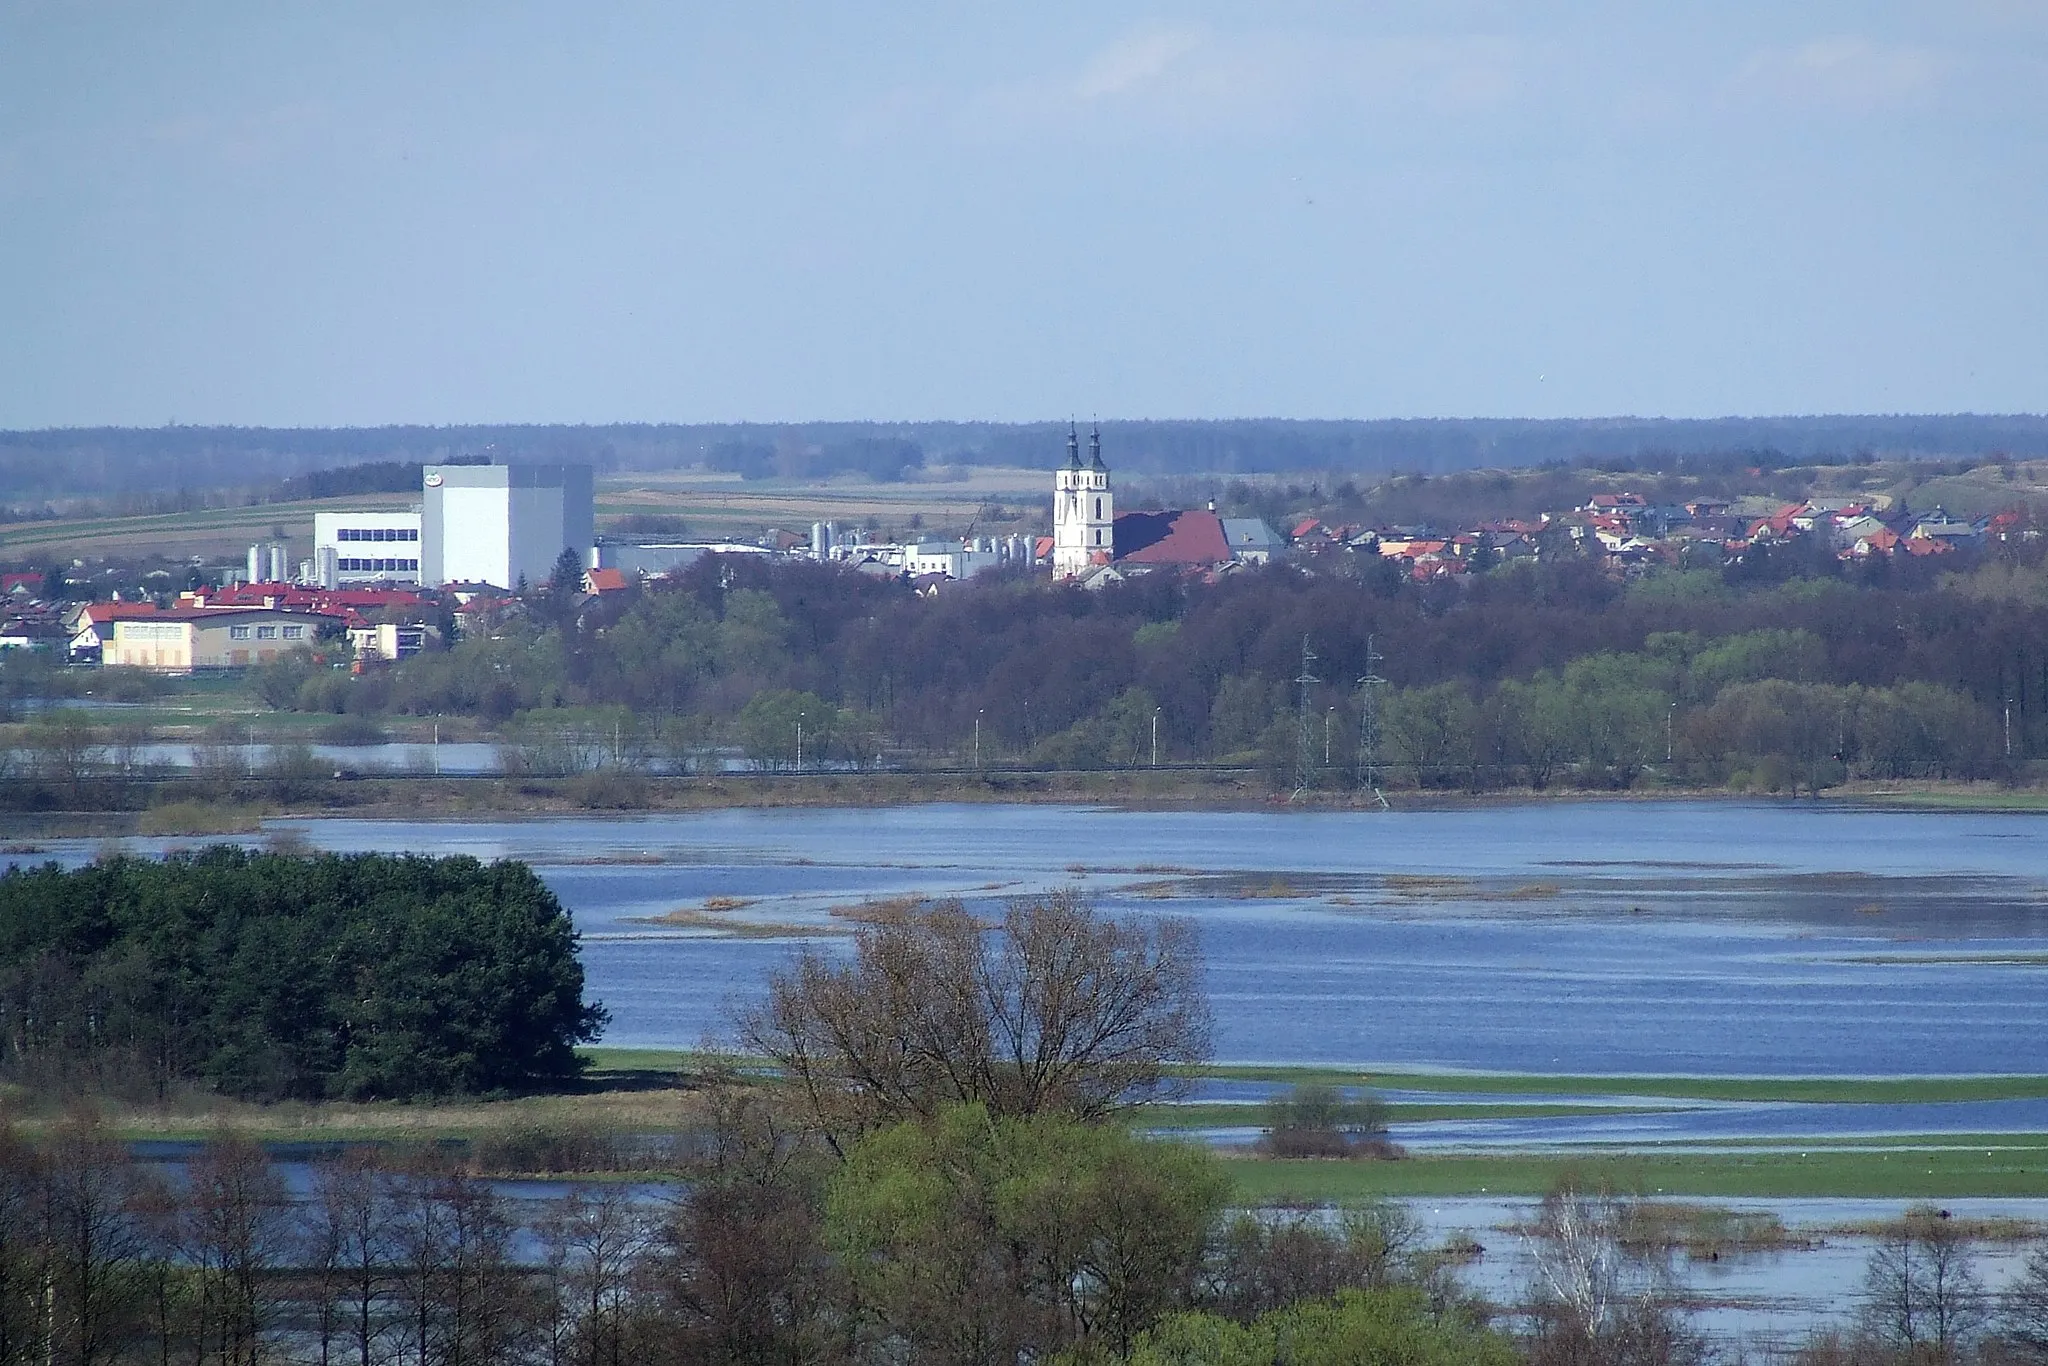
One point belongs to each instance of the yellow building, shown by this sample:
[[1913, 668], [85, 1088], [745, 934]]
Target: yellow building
[[181, 640]]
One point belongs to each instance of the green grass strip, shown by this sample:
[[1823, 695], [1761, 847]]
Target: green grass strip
[[1202, 1115], [1813, 1173], [1837, 1090]]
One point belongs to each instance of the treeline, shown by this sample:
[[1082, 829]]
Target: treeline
[[1534, 673], [975, 1241], [271, 975], [885, 459], [71, 463]]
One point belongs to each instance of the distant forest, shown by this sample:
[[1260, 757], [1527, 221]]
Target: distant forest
[[153, 468]]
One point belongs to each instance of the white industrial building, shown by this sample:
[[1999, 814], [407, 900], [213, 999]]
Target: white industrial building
[[503, 524], [366, 547]]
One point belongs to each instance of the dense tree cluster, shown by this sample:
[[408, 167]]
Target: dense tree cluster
[[273, 975], [1532, 674]]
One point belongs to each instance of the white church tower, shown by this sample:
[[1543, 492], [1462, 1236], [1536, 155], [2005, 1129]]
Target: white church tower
[[1083, 510]]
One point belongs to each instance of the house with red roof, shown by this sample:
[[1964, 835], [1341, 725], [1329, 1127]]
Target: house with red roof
[[1089, 534]]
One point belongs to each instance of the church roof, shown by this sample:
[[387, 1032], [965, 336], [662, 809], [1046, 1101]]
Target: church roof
[[1185, 537]]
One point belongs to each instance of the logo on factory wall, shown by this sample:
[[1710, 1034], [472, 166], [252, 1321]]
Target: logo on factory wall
[[434, 480]]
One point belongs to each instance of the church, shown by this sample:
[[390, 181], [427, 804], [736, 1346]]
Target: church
[[1092, 541]]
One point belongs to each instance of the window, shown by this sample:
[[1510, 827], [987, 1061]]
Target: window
[[238, 633], [412, 533], [294, 632], [266, 633], [1098, 507]]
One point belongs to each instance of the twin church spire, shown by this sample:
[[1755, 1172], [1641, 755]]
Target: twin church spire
[[1083, 510], [1094, 448]]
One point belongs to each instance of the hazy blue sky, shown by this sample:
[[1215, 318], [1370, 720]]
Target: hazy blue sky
[[355, 213]]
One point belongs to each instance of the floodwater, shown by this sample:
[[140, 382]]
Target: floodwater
[[1707, 938], [1712, 938], [1761, 1301]]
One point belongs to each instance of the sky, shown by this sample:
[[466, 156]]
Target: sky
[[288, 213]]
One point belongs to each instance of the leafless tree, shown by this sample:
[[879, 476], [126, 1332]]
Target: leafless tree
[[235, 1233], [94, 1291], [1268, 1260], [24, 1260], [462, 1299], [738, 1271], [1057, 1009], [595, 1239], [1921, 1293], [349, 1246], [2023, 1310], [1595, 1300]]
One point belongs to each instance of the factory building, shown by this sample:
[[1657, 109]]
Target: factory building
[[365, 547], [502, 524]]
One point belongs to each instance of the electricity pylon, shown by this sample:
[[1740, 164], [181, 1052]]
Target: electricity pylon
[[1369, 722], [1305, 753]]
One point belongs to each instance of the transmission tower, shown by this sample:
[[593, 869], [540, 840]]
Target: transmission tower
[[1305, 754], [1369, 722]]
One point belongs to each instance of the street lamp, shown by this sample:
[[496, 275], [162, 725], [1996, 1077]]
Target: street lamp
[[1155, 737], [799, 742], [977, 739], [1328, 714]]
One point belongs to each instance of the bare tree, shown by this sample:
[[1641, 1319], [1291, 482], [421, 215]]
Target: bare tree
[[24, 1263], [1921, 1293], [235, 1233], [462, 1297], [738, 1271], [94, 1290], [595, 1240], [350, 1248], [2023, 1311], [1595, 1300], [1058, 1009]]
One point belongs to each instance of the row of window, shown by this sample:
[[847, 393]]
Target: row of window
[[267, 632], [381, 533], [378, 566]]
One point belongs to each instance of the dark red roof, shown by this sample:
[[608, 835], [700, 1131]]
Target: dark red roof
[[1170, 538]]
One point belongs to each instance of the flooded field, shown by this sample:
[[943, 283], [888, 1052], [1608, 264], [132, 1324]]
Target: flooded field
[[1588, 940], [1627, 937]]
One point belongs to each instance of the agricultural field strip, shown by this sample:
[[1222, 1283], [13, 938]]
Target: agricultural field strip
[[187, 526]]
